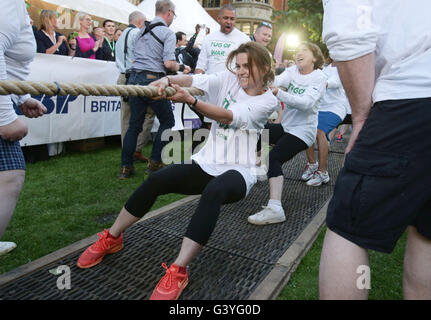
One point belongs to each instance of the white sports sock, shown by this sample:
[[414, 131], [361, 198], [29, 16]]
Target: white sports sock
[[275, 204]]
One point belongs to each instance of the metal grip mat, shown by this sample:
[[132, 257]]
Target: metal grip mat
[[236, 259]]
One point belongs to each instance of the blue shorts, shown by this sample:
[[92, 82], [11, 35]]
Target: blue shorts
[[385, 184], [11, 156], [328, 121]]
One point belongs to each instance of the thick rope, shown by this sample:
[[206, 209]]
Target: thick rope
[[76, 89]]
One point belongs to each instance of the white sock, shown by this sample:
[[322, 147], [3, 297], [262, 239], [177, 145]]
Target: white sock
[[275, 204]]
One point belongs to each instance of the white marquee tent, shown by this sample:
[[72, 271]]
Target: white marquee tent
[[116, 10], [189, 13]]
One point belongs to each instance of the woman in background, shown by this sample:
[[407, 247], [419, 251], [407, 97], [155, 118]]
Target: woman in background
[[50, 41], [87, 46]]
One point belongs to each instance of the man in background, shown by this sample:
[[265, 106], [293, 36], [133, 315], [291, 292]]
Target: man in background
[[263, 34], [123, 59], [108, 44]]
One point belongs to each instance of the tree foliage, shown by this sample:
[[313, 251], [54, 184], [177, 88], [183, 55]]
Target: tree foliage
[[303, 17]]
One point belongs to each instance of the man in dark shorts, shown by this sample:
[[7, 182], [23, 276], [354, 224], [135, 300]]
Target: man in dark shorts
[[385, 185]]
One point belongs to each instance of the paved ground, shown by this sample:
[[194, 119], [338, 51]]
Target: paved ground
[[235, 262]]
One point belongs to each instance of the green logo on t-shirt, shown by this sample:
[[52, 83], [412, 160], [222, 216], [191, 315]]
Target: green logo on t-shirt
[[226, 103], [295, 90], [218, 48]]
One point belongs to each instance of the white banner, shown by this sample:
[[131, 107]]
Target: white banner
[[79, 117]]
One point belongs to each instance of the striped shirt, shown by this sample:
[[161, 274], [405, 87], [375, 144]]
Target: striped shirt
[[149, 54]]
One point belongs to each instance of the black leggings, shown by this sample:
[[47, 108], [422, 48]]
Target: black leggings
[[190, 179], [286, 147]]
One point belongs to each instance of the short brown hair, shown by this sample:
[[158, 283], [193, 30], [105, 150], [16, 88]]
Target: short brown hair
[[317, 54], [258, 56]]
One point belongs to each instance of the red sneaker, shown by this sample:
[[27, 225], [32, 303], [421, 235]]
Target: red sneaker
[[95, 253], [171, 285]]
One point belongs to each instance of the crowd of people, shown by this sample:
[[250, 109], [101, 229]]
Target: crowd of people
[[380, 190]]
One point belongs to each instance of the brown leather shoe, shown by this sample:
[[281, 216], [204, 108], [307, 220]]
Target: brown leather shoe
[[153, 166], [126, 172], [137, 156]]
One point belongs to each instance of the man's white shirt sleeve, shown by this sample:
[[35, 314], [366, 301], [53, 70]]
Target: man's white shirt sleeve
[[348, 29], [9, 30]]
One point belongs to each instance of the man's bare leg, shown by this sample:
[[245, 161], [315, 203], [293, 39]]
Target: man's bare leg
[[417, 267], [339, 264]]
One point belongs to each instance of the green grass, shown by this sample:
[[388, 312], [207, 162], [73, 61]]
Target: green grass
[[68, 198], [386, 274]]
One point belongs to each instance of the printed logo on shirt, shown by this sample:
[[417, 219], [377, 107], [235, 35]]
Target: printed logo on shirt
[[296, 90], [226, 103], [220, 48]]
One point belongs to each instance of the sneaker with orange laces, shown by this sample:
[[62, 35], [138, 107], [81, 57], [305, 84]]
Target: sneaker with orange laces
[[95, 253], [171, 285]]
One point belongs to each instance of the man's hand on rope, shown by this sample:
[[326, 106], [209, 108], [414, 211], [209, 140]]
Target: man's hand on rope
[[161, 84], [14, 131], [33, 108]]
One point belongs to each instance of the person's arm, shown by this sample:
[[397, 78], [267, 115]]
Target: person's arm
[[53, 49], [72, 47], [334, 81], [190, 44], [358, 78], [201, 65], [169, 59], [12, 128], [305, 101], [207, 109], [351, 38]]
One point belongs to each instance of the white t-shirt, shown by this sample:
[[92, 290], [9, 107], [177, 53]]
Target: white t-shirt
[[233, 147], [17, 50], [398, 31], [302, 99], [335, 99], [216, 48]]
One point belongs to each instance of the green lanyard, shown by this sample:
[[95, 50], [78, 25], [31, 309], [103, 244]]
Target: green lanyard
[[111, 46]]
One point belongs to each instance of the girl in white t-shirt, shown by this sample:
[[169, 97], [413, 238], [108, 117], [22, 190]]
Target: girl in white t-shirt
[[223, 171], [306, 85]]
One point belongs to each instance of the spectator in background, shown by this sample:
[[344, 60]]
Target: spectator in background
[[87, 46], [286, 64], [181, 39], [263, 34], [108, 43], [48, 40], [186, 52], [228, 38], [123, 58], [99, 34], [117, 34], [154, 55]]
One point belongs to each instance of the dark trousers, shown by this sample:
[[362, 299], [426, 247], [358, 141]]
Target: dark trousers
[[138, 109], [286, 147], [190, 179]]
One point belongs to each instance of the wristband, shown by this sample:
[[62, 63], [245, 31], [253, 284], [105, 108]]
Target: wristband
[[195, 102], [181, 68]]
